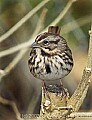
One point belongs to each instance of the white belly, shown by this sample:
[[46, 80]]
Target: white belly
[[55, 68]]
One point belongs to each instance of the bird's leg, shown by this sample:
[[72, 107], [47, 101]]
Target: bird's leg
[[46, 101], [44, 87], [45, 90], [64, 92]]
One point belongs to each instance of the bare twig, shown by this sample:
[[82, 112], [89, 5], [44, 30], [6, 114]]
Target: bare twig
[[40, 23], [13, 105], [62, 14], [16, 48], [89, 63], [78, 97], [13, 63], [23, 20], [28, 44], [72, 25]]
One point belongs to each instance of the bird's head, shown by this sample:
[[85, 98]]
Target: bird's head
[[50, 42]]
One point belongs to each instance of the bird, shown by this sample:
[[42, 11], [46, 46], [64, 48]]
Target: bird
[[50, 56]]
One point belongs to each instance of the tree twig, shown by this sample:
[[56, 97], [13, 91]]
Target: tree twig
[[13, 63], [72, 25], [62, 14], [23, 20], [89, 62], [13, 105], [78, 97], [40, 23]]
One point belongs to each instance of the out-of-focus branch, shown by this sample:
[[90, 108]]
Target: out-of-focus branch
[[23, 51], [23, 20], [13, 105], [16, 48], [62, 14], [40, 24], [28, 44], [72, 25], [78, 97], [13, 63]]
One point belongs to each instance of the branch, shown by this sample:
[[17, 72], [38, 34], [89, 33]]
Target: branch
[[62, 14], [72, 25], [13, 105], [52, 105], [19, 56], [13, 63], [40, 24], [78, 97], [23, 20], [28, 43], [89, 63]]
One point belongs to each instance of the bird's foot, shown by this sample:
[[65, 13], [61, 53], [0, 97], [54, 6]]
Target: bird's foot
[[59, 90]]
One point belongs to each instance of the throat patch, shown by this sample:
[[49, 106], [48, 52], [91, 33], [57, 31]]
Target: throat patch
[[44, 53]]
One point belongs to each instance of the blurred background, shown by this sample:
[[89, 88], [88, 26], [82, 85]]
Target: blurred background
[[19, 85]]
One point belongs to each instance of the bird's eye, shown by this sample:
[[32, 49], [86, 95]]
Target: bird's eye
[[46, 42]]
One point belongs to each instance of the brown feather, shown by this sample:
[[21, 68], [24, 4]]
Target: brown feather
[[54, 30]]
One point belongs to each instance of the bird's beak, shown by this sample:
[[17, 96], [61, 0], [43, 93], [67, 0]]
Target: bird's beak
[[34, 45]]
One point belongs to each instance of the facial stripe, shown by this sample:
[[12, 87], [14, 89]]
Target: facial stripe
[[49, 36], [40, 37]]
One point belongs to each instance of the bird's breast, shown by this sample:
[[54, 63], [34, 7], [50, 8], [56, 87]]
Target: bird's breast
[[48, 67]]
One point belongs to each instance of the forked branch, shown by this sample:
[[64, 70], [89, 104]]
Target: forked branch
[[78, 97]]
